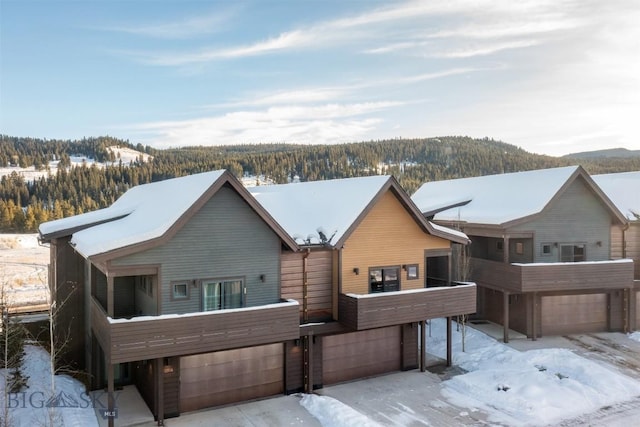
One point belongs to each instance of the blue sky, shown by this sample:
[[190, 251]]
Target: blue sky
[[552, 77]]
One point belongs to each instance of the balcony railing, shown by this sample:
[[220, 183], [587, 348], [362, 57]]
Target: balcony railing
[[560, 276], [394, 308], [147, 337]]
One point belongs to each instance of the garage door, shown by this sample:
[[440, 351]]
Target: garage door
[[571, 314], [637, 326], [224, 377], [360, 354]]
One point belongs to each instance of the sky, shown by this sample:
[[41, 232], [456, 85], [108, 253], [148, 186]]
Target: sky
[[550, 76]]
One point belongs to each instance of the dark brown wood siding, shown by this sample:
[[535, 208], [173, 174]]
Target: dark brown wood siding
[[130, 340], [68, 277], [224, 377], [409, 346], [318, 300], [394, 308], [552, 277], [294, 364], [361, 354]]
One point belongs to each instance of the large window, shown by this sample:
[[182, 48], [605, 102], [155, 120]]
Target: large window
[[221, 294], [572, 253], [385, 279]]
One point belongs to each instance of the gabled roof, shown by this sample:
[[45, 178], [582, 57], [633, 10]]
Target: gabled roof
[[623, 189], [147, 213], [505, 199], [326, 212]]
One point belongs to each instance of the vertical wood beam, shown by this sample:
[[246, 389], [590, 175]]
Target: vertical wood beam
[[110, 391], [423, 345], [534, 316], [310, 364], [505, 314], [449, 352], [110, 281], [160, 390], [505, 249]]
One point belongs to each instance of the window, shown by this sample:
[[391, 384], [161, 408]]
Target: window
[[384, 279], [546, 249], [412, 271], [145, 285], [572, 253], [519, 248], [499, 245], [221, 294], [180, 290]]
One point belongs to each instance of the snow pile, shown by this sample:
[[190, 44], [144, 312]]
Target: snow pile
[[332, 412], [38, 405], [634, 336], [536, 387]]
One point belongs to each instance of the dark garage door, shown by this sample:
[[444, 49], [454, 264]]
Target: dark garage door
[[224, 377], [360, 354], [571, 314]]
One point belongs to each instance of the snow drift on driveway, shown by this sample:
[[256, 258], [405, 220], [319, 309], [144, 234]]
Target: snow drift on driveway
[[535, 387]]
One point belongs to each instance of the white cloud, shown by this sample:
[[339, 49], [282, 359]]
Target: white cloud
[[486, 49], [182, 28], [322, 124]]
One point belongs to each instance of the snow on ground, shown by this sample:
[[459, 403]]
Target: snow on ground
[[535, 387], [23, 269], [514, 388], [635, 336], [332, 412], [123, 154], [38, 404]]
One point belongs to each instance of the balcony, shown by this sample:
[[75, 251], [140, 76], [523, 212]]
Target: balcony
[[546, 277], [147, 337], [377, 310]]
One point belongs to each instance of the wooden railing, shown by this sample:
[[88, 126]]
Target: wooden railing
[[395, 308], [547, 277], [148, 337]]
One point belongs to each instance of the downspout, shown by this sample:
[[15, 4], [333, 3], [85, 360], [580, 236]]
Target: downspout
[[305, 286]]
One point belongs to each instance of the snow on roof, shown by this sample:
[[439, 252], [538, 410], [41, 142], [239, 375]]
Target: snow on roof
[[495, 199], [309, 210], [623, 189], [319, 212], [149, 211]]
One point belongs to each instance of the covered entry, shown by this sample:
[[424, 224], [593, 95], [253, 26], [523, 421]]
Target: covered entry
[[360, 354], [224, 377], [567, 314]]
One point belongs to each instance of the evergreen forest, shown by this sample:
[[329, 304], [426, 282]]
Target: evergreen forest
[[73, 190]]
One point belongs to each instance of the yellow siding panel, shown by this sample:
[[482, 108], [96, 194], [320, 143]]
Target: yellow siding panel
[[387, 236]]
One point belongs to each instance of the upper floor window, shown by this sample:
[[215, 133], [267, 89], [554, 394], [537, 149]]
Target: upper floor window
[[384, 279], [572, 253], [222, 294], [180, 290]]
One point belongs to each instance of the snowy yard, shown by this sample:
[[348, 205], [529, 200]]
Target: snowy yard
[[513, 388]]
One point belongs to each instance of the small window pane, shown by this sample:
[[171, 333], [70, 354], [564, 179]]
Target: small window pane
[[546, 249], [412, 272], [519, 248], [180, 290]]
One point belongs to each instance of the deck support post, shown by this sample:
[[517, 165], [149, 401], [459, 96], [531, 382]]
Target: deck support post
[[534, 316], [449, 353], [159, 370], [505, 312], [110, 390], [423, 345], [309, 364]]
